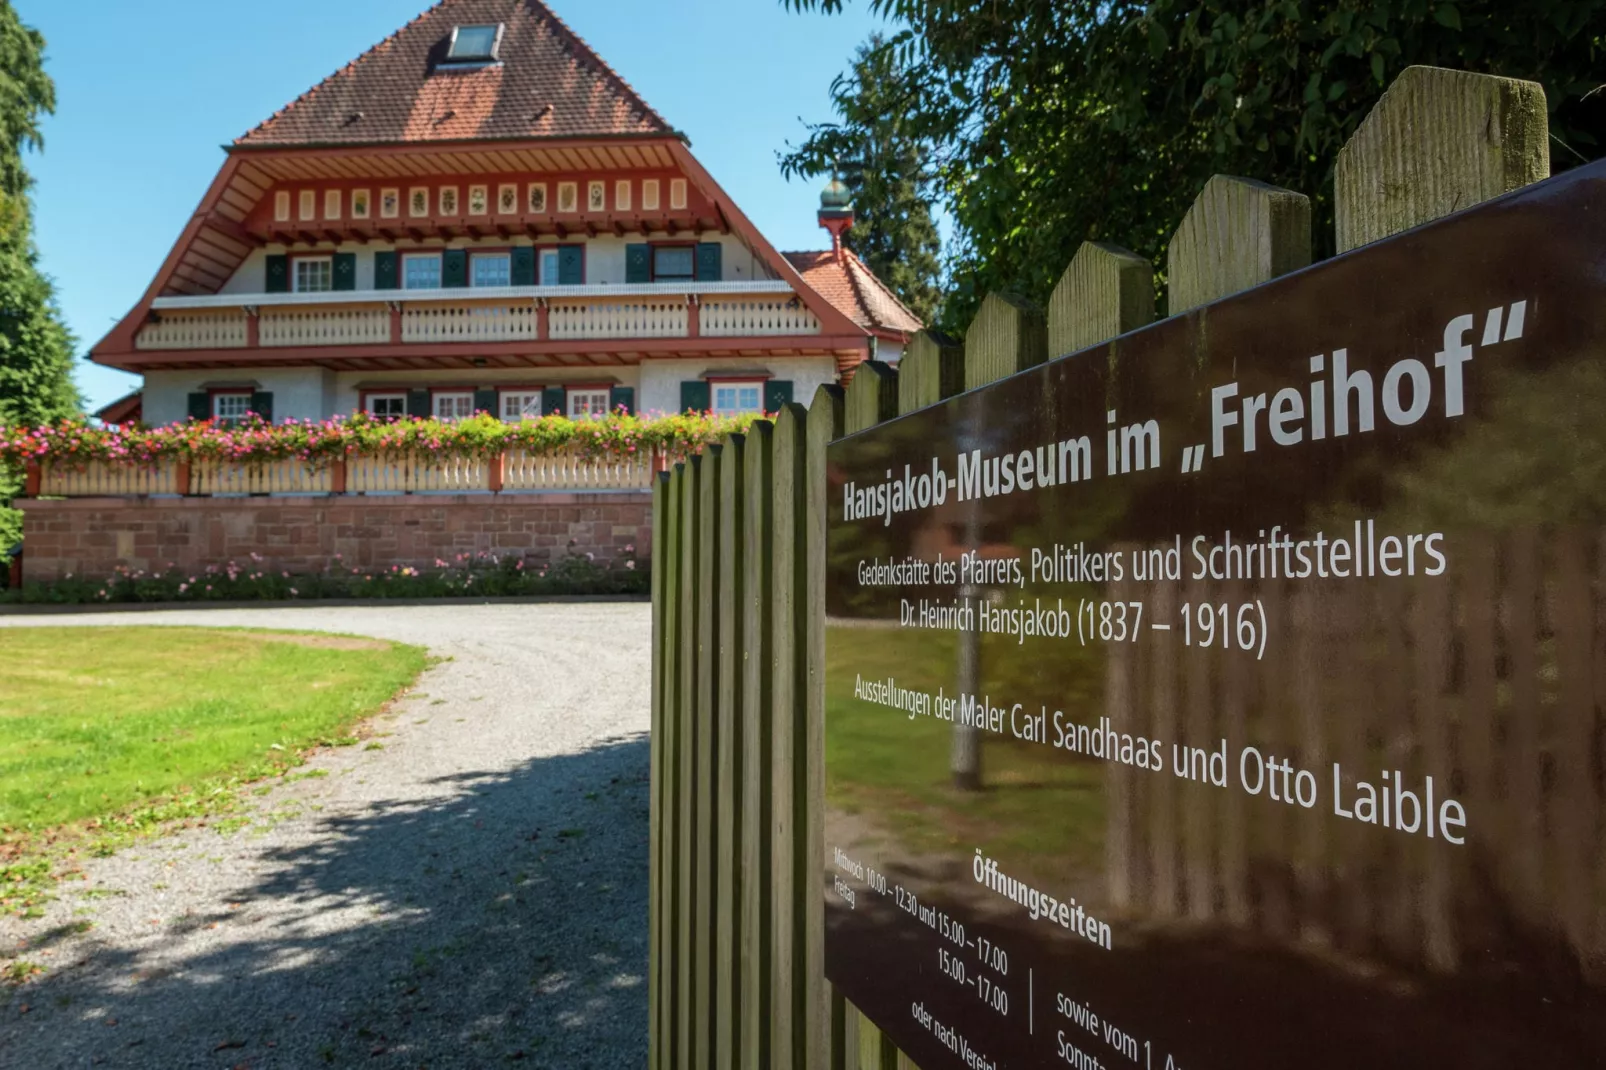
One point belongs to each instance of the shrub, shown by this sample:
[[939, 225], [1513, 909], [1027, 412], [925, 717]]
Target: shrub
[[471, 575]]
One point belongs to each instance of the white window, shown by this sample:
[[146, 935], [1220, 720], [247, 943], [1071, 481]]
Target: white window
[[584, 403], [490, 269], [549, 267], [230, 408], [454, 404], [736, 398], [421, 271], [312, 275], [474, 44], [387, 406], [520, 405]]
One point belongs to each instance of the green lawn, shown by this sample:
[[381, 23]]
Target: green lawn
[[98, 722]]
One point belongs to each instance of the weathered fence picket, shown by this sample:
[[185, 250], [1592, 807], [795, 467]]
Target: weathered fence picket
[[737, 853]]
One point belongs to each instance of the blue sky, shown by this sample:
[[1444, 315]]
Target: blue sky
[[147, 92]]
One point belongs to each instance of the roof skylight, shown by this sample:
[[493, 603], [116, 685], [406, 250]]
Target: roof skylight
[[474, 44]]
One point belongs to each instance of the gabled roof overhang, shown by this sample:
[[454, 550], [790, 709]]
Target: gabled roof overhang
[[217, 238]]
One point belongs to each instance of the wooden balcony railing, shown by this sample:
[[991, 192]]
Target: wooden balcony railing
[[323, 326], [508, 314], [500, 322], [512, 472], [756, 316], [195, 330], [647, 318]]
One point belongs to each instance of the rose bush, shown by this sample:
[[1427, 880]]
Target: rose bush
[[620, 435]]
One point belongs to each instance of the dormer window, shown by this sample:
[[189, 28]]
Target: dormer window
[[474, 44]]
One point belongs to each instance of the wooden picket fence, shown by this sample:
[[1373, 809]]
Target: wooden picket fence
[[737, 845]]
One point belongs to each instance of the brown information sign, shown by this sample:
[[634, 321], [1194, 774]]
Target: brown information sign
[[1230, 696]]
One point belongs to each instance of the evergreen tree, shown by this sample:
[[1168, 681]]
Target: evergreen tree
[[883, 164], [36, 349]]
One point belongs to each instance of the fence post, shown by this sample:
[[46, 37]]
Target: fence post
[[1105, 291], [728, 978], [337, 476], [792, 865], [181, 478], [932, 368], [1438, 141], [824, 1006], [688, 1010], [1007, 335], [661, 852], [706, 713], [757, 682], [1237, 234], [33, 479], [495, 472], [872, 398]]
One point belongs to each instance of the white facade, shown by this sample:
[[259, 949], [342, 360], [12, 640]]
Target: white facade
[[604, 258], [310, 393], [318, 394]]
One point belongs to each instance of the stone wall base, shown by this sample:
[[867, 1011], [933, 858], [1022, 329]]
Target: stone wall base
[[91, 537]]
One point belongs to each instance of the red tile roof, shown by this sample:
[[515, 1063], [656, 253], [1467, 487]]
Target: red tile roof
[[547, 83], [853, 288]]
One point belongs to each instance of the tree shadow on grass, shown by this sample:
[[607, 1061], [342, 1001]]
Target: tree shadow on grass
[[501, 921]]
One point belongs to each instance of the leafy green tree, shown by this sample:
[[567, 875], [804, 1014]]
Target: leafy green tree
[[1056, 121], [36, 349], [883, 164]]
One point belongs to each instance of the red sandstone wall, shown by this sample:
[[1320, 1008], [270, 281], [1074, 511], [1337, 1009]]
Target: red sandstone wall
[[92, 536]]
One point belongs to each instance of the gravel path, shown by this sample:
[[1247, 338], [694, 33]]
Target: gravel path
[[473, 893]]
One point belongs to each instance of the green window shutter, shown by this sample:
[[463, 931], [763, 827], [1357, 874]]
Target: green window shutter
[[694, 396], [638, 263], [485, 401], [387, 268], [418, 404], [622, 396], [262, 404], [200, 405], [278, 277], [571, 265], [552, 401], [777, 392], [523, 267], [345, 271], [709, 265], [454, 268]]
